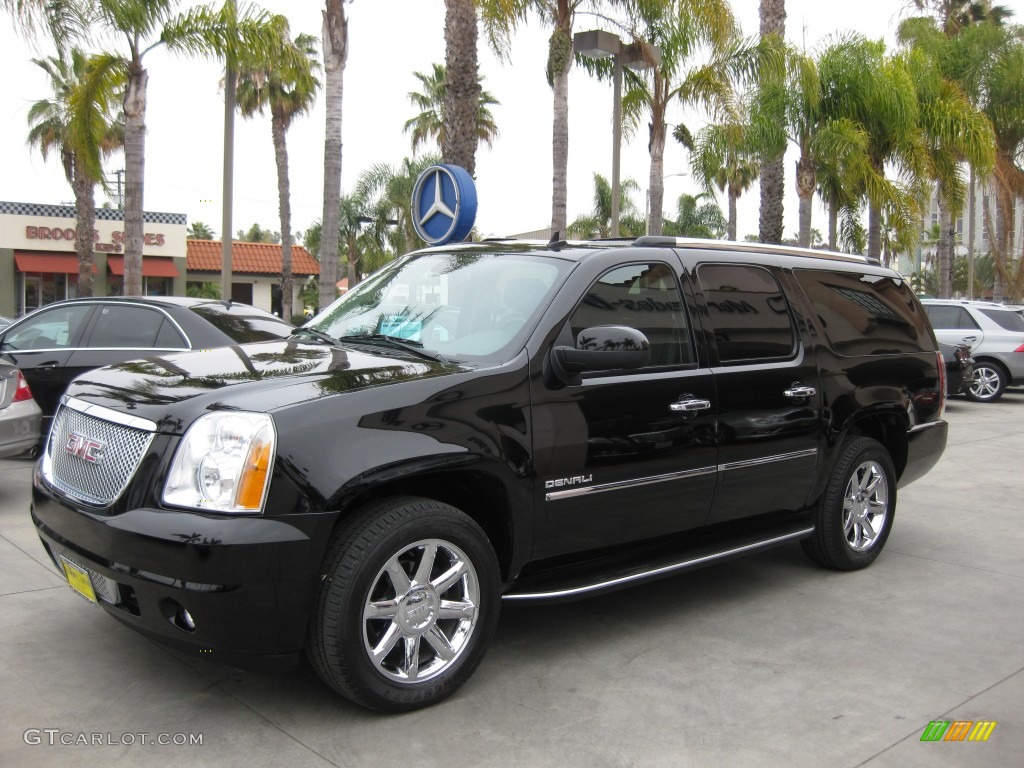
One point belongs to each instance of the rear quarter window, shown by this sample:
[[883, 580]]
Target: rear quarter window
[[866, 314], [1005, 318], [242, 324]]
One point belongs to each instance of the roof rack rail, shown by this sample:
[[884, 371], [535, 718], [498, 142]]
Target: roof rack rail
[[666, 241]]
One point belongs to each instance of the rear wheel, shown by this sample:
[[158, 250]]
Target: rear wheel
[[407, 605], [855, 515], [989, 382]]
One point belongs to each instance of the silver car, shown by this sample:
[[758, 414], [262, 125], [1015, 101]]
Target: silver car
[[20, 415], [995, 334]]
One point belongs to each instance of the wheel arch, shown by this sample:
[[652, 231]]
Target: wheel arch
[[888, 428], [479, 492]]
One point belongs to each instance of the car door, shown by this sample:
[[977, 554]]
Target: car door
[[120, 332], [954, 325], [769, 399], [41, 346], [626, 455]]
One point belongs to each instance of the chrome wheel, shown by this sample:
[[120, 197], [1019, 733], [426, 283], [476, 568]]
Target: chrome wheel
[[420, 611], [988, 383], [865, 506]]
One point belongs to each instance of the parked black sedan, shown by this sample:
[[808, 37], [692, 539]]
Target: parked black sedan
[[62, 340], [959, 367]]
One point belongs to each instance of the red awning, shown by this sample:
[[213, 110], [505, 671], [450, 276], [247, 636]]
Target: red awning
[[51, 263], [152, 266]]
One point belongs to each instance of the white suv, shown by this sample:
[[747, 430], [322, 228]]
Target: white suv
[[995, 333]]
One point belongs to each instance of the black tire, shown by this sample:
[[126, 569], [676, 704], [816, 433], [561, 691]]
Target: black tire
[[990, 380], [361, 606], [855, 515]]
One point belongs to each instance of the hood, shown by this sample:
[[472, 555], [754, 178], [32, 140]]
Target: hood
[[171, 389]]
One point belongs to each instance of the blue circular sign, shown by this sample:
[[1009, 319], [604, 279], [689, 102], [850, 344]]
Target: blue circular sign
[[443, 204]]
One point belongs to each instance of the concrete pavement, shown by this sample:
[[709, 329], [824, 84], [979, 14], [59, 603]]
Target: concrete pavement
[[766, 661]]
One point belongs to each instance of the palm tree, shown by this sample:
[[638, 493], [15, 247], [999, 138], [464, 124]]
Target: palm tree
[[598, 222], [387, 194], [288, 88], [876, 92], [500, 17], [954, 132], [144, 25], [429, 124], [335, 44], [697, 219], [681, 30], [1001, 102], [724, 155], [197, 230], [772, 14], [461, 100], [81, 136]]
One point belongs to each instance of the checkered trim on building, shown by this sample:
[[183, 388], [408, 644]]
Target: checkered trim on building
[[68, 212]]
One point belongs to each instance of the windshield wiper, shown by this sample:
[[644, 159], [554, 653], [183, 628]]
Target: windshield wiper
[[395, 342], [316, 334]]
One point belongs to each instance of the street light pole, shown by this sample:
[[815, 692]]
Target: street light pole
[[616, 143], [597, 44]]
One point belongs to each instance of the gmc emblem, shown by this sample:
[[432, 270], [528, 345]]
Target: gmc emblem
[[85, 448]]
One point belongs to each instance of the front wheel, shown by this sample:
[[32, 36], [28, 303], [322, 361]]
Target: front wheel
[[989, 383], [855, 515], [407, 605]]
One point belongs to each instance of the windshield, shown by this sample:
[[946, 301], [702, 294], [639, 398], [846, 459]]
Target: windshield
[[463, 305]]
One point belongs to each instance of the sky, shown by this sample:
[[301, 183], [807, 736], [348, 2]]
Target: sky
[[389, 41]]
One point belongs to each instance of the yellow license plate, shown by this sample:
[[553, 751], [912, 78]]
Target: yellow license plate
[[79, 579]]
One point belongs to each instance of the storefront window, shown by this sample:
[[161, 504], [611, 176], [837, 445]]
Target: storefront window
[[41, 288], [151, 286]]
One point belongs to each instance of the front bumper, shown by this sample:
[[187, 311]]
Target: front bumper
[[925, 444], [246, 583]]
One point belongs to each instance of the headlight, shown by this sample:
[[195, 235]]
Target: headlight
[[223, 463]]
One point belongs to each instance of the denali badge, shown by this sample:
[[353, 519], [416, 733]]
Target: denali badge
[[564, 481], [85, 447]]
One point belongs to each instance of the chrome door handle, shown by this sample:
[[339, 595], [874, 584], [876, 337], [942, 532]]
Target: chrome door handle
[[48, 365], [969, 339], [690, 406], [796, 392]]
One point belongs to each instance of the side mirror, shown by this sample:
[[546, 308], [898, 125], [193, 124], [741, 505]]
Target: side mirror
[[601, 348]]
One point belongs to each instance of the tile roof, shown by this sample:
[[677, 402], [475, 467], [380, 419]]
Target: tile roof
[[248, 258]]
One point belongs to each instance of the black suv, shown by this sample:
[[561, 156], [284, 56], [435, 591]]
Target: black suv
[[491, 422]]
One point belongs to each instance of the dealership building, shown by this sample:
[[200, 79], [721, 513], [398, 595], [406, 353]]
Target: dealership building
[[38, 263]]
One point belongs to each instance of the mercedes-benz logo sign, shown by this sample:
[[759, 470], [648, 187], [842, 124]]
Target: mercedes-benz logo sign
[[443, 204]]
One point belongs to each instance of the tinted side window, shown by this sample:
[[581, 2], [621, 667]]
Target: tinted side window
[[864, 314], [49, 329], [943, 316], [645, 297], [128, 327], [748, 312]]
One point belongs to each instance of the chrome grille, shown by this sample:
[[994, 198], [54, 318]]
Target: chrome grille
[[92, 458]]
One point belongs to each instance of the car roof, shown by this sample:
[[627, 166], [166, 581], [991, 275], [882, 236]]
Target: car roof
[[575, 250]]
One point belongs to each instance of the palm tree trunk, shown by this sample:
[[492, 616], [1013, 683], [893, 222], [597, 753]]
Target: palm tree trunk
[[278, 129], [805, 191], [971, 232], [657, 180], [773, 175], [874, 231], [134, 173], [462, 98], [85, 214], [833, 226], [335, 37], [731, 229], [945, 249], [561, 56]]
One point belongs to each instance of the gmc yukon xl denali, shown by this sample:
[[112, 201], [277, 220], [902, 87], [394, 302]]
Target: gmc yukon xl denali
[[490, 422]]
